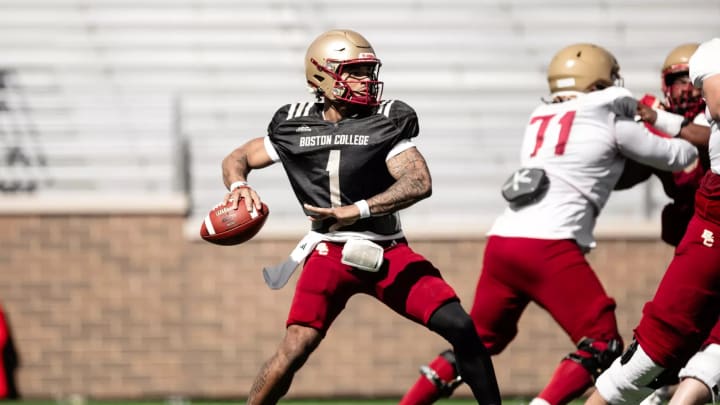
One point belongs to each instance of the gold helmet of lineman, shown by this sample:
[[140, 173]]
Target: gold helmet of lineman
[[582, 67], [678, 59], [326, 58], [680, 96]]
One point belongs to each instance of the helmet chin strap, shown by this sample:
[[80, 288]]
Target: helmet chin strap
[[344, 93]]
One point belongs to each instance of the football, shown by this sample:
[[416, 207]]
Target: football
[[225, 226]]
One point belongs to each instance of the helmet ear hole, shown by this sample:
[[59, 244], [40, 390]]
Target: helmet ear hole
[[318, 78]]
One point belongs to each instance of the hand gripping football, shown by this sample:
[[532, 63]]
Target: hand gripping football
[[225, 226]]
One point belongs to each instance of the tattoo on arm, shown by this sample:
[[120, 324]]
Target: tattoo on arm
[[234, 164], [238, 164], [413, 183]]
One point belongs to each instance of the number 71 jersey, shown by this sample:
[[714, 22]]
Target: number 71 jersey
[[575, 143]]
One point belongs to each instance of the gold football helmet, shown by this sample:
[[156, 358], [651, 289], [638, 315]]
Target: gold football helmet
[[685, 100], [582, 67], [330, 54], [677, 60]]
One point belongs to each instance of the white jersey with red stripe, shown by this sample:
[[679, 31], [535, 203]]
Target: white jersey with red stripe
[[582, 144]]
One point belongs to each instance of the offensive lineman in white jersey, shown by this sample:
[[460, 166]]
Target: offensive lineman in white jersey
[[686, 304], [573, 152]]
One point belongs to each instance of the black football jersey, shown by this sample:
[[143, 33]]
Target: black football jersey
[[335, 164]]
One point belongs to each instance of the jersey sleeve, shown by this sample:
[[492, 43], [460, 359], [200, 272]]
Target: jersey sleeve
[[400, 147], [636, 143], [270, 149], [280, 115], [404, 118], [274, 143], [701, 119], [617, 92], [705, 62], [608, 95], [617, 100]]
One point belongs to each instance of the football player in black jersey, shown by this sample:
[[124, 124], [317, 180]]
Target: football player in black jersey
[[352, 165]]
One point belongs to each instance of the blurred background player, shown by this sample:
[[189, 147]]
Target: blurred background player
[[685, 101], [680, 110], [686, 305], [573, 152], [352, 187], [9, 361]]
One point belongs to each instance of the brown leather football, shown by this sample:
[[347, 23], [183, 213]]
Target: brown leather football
[[225, 226]]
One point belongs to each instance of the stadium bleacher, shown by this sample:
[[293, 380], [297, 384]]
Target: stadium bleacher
[[112, 91]]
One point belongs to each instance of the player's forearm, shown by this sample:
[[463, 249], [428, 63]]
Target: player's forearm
[[235, 167], [412, 183], [697, 135], [677, 125], [661, 153], [406, 191], [238, 164]]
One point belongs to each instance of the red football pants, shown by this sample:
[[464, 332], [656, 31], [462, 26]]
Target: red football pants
[[408, 284], [552, 273], [686, 304], [714, 337]]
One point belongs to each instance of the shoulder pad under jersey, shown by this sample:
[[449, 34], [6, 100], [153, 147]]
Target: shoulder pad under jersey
[[290, 111], [402, 115]]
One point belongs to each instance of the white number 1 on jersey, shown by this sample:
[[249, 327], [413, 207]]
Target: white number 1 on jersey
[[333, 169]]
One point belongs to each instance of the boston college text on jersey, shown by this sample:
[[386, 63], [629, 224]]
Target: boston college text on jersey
[[337, 139]]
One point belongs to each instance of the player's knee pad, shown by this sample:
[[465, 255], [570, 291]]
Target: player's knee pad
[[704, 366], [445, 388], [627, 380], [596, 355]]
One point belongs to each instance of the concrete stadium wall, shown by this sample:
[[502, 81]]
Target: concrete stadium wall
[[124, 306]]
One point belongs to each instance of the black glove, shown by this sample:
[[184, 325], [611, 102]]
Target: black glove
[[625, 107]]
